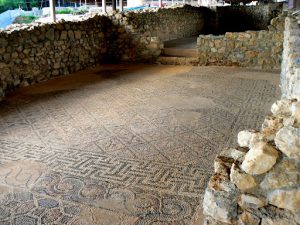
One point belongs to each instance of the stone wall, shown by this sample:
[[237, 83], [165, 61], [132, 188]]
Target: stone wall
[[36, 52], [258, 182], [260, 49], [150, 28], [242, 18], [290, 71]]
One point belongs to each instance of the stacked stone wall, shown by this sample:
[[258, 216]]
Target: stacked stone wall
[[37, 52], [259, 49], [290, 71], [242, 18], [258, 182], [150, 28]]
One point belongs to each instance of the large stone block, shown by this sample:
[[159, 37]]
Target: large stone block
[[260, 159], [288, 141], [243, 181], [276, 178], [282, 107], [286, 199], [220, 205], [251, 202]]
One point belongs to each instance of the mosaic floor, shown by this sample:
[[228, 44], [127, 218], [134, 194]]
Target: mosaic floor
[[122, 145]]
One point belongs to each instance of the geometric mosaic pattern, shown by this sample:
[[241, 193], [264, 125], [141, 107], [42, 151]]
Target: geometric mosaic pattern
[[125, 145]]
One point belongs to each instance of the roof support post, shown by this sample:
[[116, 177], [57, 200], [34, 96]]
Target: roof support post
[[114, 5], [159, 3], [52, 10], [103, 6], [121, 5]]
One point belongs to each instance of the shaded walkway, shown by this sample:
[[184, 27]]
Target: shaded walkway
[[123, 144]]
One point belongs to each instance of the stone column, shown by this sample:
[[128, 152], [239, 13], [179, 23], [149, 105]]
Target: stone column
[[160, 3], [121, 5], [104, 6], [52, 10]]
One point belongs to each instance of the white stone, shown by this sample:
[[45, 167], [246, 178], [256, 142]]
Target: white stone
[[273, 122], [281, 107], [234, 153], [286, 199], [289, 121], [288, 141], [295, 109], [242, 180], [259, 159], [250, 201], [270, 127], [246, 137]]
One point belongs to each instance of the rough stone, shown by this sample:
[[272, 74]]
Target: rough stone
[[250, 201], [247, 218], [3, 42], [277, 221], [243, 181], [64, 35], [288, 141], [270, 127], [276, 179], [77, 34], [220, 205], [222, 165], [285, 198], [246, 138], [260, 159], [234, 153], [50, 34], [295, 109], [282, 108], [273, 122]]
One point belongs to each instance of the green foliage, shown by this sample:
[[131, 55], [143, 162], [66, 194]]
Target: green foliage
[[25, 19], [8, 4], [80, 12], [14, 4], [64, 11]]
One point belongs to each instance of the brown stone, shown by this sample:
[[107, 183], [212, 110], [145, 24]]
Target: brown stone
[[243, 181], [247, 218]]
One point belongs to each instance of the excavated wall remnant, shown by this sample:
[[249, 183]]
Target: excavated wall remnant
[[259, 49], [259, 181], [37, 52]]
